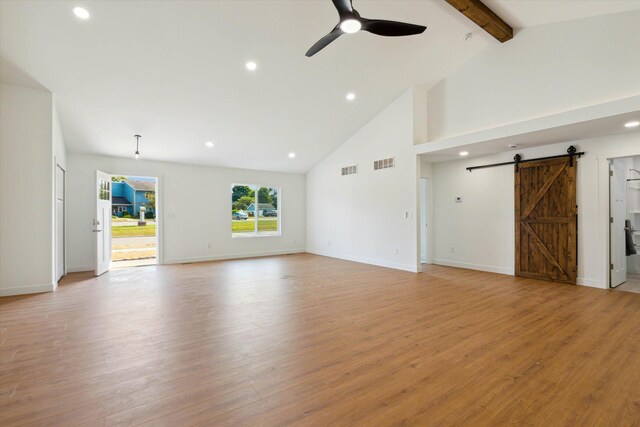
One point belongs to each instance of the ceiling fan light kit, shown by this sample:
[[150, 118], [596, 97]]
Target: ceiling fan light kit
[[351, 22]]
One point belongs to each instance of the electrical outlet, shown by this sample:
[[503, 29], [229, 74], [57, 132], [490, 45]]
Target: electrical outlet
[[396, 251], [452, 249], [208, 245]]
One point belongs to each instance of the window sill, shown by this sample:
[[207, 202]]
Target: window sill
[[250, 235]]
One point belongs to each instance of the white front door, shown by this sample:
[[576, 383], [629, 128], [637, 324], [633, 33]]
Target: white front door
[[618, 207], [102, 222]]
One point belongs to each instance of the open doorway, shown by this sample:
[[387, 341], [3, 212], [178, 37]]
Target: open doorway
[[134, 233], [624, 208]]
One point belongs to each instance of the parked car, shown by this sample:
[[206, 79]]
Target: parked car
[[239, 215], [269, 212]]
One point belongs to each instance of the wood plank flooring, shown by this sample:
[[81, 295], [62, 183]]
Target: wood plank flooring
[[310, 340]]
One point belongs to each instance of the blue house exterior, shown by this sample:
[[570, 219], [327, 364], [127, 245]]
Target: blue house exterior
[[129, 195]]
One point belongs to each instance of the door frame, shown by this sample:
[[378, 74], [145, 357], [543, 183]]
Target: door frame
[[613, 215], [425, 205], [604, 241], [64, 217], [159, 209]]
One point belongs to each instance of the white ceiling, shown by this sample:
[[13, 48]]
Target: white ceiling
[[173, 71]]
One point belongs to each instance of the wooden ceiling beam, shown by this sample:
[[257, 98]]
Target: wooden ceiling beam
[[479, 13]]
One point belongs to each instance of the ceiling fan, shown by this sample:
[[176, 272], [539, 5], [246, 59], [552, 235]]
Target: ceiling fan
[[351, 22]]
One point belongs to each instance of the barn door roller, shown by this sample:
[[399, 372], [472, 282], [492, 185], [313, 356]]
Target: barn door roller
[[517, 159]]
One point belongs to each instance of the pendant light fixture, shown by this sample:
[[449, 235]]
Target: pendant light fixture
[[137, 154]]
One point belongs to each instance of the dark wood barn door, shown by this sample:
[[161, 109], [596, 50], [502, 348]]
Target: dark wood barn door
[[546, 231]]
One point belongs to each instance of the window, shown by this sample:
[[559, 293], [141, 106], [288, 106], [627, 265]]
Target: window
[[104, 190], [255, 210]]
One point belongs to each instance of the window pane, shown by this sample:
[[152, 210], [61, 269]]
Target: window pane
[[268, 211], [242, 203]]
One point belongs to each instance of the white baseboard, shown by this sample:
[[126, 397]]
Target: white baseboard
[[592, 283], [364, 260], [509, 271], [233, 256], [480, 267], [80, 269], [23, 290]]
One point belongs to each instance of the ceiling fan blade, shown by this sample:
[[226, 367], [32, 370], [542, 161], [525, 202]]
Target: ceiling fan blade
[[324, 42], [344, 7], [391, 28]]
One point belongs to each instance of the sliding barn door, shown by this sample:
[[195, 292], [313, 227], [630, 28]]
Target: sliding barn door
[[546, 220]]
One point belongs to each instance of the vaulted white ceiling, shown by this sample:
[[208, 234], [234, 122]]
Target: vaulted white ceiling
[[174, 71]]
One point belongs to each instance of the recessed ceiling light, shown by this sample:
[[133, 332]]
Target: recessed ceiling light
[[464, 153], [81, 12], [351, 96], [632, 124], [251, 66], [350, 26], [292, 155], [209, 144]]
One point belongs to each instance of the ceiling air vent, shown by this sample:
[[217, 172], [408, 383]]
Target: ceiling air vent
[[349, 170], [384, 163]]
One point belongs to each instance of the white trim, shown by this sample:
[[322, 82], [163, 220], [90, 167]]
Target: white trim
[[480, 267], [234, 256], [364, 260], [592, 283], [22, 290]]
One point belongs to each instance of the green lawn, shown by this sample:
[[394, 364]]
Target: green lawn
[[148, 230], [248, 225]]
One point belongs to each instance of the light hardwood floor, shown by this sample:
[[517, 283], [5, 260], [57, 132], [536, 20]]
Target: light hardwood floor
[[310, 340]]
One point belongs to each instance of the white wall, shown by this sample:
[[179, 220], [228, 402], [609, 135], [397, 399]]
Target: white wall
[[481, 228], [26, 191], [544, 70], [361, 217], [195, 209]]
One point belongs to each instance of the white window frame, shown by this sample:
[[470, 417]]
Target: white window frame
[[256, 215]]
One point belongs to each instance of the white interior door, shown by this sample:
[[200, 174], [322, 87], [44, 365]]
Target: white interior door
[[618, 207], [60, 222], [102, 222]]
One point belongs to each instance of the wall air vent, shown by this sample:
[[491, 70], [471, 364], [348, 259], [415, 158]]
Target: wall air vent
[[349, 170], [384, 163]]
